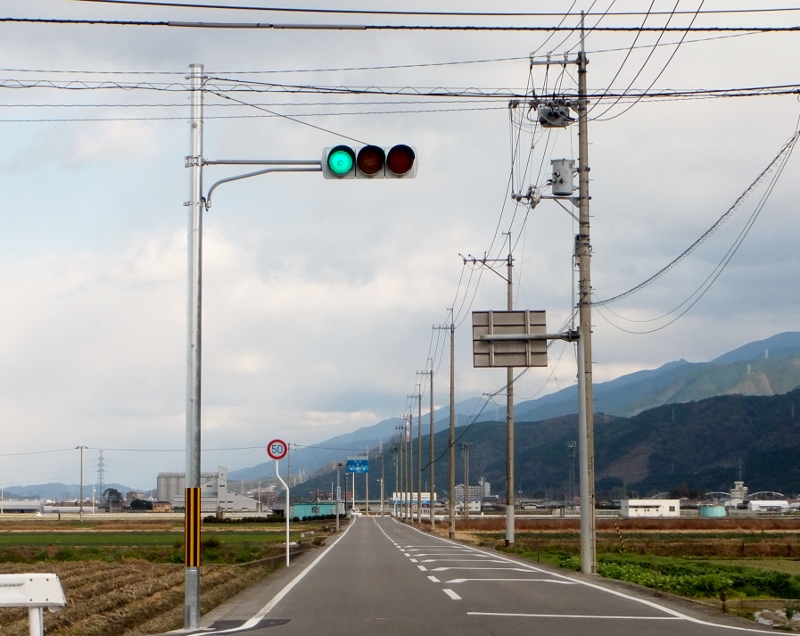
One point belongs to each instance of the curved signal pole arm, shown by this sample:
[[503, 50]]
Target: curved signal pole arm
[[301, 165]]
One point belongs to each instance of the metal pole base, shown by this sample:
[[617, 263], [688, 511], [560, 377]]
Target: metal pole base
[[509, 525], [192, 593]]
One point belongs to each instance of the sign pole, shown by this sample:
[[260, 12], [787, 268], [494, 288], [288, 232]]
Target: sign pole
[[286, 510], [277, 449]]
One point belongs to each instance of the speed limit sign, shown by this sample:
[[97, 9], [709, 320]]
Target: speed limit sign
[[277, 449]]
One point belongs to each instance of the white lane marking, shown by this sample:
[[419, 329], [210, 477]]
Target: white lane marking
[[519, 580], [590, 616], [256, 618], [422, 568], [483, 560], [413, 560], [457, 567], [430, 554], [671, 612], [451, 594], [434, 579]]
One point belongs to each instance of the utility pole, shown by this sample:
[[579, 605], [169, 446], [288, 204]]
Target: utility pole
[[419, 453], [80, 495], [402, 467], [510, 499], [571, 476], [432, 471], [409, 463], [583, 251], [395, 458], [383, 479], [465, 448], [510, 503], [452, 533], [195, 204]]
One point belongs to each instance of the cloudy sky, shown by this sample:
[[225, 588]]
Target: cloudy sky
[[320, 296]]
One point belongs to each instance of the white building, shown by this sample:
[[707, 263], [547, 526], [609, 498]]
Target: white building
[[639, 508], [767, 505], [214, 493]]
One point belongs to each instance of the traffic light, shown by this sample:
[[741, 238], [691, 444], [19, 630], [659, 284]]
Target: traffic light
[[369, 162]]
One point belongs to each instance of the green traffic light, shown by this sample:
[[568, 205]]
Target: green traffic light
[[340, 161]]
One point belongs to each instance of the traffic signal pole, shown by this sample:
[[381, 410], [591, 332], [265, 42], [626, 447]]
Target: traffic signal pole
[[396, 162]]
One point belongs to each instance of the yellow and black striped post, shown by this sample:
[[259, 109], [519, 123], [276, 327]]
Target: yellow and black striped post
[[192, 528]]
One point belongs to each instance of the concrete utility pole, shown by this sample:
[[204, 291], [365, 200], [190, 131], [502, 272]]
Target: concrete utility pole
[[409, 463], [432, 472], [419, 455], [510, 502], [583, 252], [452, 533], [194, 312], [401, 467], [465, 448], [80, 495], [510, 498]]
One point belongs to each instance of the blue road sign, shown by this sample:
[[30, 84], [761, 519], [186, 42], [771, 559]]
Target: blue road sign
[[358, 465]]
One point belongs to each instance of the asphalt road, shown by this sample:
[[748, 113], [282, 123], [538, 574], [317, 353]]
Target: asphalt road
[[383, 577]]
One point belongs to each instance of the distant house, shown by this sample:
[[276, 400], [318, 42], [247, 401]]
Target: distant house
[[652, 508]]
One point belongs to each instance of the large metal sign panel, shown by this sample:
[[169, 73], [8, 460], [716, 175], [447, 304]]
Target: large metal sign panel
[[359, 465], [503, 339]]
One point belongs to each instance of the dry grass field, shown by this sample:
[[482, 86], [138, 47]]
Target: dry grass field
[[122, 599], [124, 596], [117, 576]]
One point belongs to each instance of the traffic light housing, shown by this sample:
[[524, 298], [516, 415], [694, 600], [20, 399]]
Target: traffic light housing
[[369, 162]]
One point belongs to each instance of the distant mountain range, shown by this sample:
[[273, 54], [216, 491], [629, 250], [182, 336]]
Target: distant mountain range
[[763, 368], [58, 491], [684, 449]]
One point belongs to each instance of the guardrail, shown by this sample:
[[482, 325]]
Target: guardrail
[[34, 591]]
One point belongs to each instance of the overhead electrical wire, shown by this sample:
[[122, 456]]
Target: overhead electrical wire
[[514, 14], [655, 79], [779, 160], [701, 291], [630, 52], [386, 27], [367, 68]]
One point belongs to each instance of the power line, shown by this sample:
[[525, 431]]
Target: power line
[[393, 27], [517, 14], [780, 159]]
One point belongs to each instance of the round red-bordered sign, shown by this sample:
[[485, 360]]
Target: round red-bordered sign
[[277, 449]]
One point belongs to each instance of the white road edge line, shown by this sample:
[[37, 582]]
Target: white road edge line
[[626, 618], [256, 618], [610, 591]]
